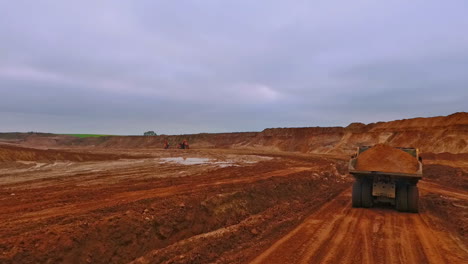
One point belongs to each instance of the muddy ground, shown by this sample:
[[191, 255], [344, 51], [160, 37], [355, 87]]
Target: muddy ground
[[220, 206]]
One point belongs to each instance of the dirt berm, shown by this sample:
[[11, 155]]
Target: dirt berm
[[385, 158], [15, 153]]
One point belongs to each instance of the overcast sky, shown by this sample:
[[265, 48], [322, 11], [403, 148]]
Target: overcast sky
[[125, 67]]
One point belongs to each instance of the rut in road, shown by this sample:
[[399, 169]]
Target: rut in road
[[338, 233]]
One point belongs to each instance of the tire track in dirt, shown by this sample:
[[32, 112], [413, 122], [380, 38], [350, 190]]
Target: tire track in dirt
[[439, 189], [48, 177], [338, 233], [128, 197]]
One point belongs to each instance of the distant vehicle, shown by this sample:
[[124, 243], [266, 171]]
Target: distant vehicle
[[398, 189], [184, 145]]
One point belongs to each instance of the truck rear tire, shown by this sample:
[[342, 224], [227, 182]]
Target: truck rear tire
[[366, 195], [357, 190], [413, 198], [401, 202]]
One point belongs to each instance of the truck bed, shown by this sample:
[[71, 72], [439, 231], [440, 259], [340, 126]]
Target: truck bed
[[353, 171]]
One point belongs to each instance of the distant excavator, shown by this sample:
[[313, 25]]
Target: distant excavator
[[184, 145]]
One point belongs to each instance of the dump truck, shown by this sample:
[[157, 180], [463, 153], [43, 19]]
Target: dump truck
[[376, 186]]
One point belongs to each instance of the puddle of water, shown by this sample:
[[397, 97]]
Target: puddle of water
[[196, 161], [186, 161], [39, 165], [227, 165]]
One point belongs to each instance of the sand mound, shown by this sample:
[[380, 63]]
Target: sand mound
[[387, 159], [14, 153]]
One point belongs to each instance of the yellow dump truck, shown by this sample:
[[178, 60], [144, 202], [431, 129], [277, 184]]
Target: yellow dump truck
[[374, 186]]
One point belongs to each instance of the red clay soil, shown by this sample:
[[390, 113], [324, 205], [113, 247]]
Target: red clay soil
[[14, 153], [387, 159], [450, 210], [445, 156], [447, 175], [338, 233], [199, 218], [152, 212]]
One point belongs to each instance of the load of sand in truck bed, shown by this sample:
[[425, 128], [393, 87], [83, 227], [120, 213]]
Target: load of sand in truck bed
[[385, 158]]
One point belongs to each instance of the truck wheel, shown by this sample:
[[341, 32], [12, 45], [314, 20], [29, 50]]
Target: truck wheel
[[413, 198], [402, 198], [356, 200], [366, 194]]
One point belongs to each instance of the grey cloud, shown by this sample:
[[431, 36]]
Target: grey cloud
[[216, 66]]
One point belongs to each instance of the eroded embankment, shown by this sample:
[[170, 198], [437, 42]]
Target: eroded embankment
[[12, 153], [434, 134]]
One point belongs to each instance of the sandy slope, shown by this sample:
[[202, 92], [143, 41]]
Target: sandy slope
[[433, 134]]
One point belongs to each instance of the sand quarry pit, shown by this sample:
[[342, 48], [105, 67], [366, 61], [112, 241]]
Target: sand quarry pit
[[216, 206]]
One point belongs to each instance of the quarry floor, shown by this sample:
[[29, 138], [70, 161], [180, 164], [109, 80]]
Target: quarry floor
[[221, 206]]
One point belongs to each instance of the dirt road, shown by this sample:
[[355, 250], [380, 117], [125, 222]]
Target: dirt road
[[338, 233]]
